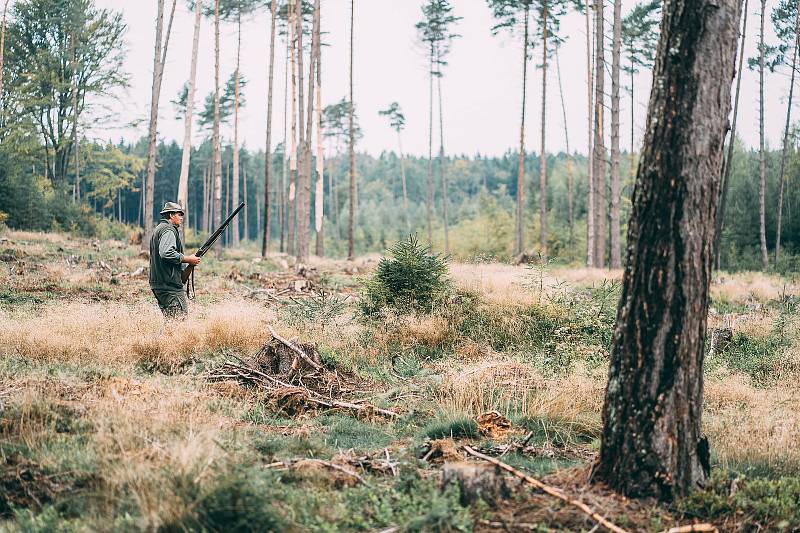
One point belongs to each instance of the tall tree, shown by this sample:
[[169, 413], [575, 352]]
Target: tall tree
[[570, 181], [511, 14], [651, 442], [728, 162], [59, 60], [434, 31], [304, 134], [2, 48], [599, 154], [781, 15], [615, 255], [217, 149], [397, 121], [160, 57], [351, 250], [590, 218], [319, 191], [183, 180], [268, 152], [762, 170]]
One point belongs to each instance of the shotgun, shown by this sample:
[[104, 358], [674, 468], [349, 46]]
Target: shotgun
[[187, 274]]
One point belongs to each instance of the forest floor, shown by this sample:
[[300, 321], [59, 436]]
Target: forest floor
[[112, 420]]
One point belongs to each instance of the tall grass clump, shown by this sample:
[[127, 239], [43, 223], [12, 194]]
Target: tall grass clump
[[411, 280]]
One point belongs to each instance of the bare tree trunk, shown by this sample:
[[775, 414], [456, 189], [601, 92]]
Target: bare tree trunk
[[2, 52], [284, 197], [235, 186], [631, 157], [590, 231], [319, 193], [762, 171], [542, 152], [652, 443], [728, 162], [442, 173], [76, 195], [159, 59], [570, 185], [519, 233], [246, 234], [599, 172], [616, 259], [785, 149], [304, 137], [290, 244], [429, 205], [351, 250], [403, 177], [217, 204], [268, 151], [205, 198], [183, 180]]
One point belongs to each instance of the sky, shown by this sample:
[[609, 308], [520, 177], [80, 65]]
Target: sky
[[481, 86]]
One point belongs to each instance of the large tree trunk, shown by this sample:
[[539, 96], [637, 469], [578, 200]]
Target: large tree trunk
[[160, 57], [351, 226], [616, 260], [599, 171], [570, 186], [290, 244], [519, 241], [442, 173], [651, 442], [785, 150], [183, 180], [304, 137], [542, 154], [590, 257], [235, 185], [268, 152], [762, 170], [319, 192], [728, 163]]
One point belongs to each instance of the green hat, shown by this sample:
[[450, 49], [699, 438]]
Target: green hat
[[171, 207]]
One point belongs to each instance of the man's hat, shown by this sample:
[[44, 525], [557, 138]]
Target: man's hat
[[171, 207]]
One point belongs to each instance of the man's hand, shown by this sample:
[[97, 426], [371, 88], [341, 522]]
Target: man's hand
[[191, 259]]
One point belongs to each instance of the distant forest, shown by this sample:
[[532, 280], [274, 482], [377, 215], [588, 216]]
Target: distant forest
[[481, 200]]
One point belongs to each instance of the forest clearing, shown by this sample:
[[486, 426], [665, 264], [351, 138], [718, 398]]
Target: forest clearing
[[113, 421]]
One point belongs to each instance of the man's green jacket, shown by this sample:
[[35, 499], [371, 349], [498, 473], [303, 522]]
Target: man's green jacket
[[166, 252]]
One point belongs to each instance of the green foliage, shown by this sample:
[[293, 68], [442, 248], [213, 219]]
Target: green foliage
[[758, 504], [316, 311], [459, 428], [412, 279], [765, 359], [345, 433], [561, 432]]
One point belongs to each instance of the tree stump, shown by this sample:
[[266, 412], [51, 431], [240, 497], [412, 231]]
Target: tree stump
[[476, 481], [279, 360]]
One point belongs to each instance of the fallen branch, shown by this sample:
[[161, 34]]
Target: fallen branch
[[709, 528], [316, 366], [293, 462], [552, 491]]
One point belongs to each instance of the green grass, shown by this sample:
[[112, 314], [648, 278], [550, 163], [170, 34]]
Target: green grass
[[345, 433], [459, 428]]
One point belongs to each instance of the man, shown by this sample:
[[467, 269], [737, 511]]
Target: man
[[167, 261]]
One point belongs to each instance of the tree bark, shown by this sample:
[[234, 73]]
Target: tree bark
[[785, 150], [268, 151], [762, 170], [319, 193], [217, 204], [403, 177], [542, 152], [183, 180], [570, 180], [2, 52], [290, 239], [351, 251], [599, 171], [519, 241], [728, 162], [284, 197], [304, 136], [616, 260], [590, 258], [235, 184], [442, 173], [651, 442], [159, 59], [429, 203]]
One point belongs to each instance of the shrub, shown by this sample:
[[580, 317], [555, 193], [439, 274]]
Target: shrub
[[411, 280]]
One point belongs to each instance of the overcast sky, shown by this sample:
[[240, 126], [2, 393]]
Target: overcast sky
[[481, 87]]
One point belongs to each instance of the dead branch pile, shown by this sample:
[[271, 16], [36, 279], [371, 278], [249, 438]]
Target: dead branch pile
[[294, 379]]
